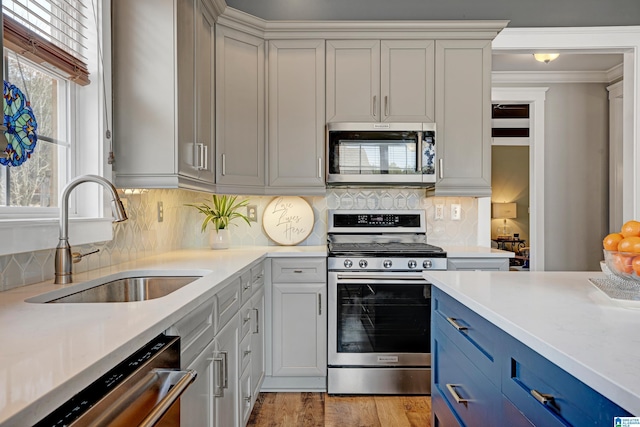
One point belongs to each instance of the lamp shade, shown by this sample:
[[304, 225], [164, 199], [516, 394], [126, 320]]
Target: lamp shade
[[504, 210]]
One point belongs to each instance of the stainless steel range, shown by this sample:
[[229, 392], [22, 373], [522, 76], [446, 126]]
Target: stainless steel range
[[379, 304]]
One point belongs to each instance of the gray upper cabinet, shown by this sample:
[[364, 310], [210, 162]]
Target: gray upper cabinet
[[463, 117], [373, 80], [240, 114], [163, 97], [296, 117]]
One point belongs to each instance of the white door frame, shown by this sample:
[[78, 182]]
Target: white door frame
[[625, 40], [535, 96]]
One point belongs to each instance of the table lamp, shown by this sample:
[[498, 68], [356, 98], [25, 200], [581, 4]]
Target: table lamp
[[504, 211]]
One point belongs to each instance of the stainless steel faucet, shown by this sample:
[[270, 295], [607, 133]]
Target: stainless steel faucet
[[63, 260]]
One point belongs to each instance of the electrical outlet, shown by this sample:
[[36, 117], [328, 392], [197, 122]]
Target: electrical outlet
[[252, 213], [455, 212], [439, 212], [160, 212]]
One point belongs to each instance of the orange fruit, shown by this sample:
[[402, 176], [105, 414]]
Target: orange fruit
[[610, 242], [630, 228], [629, 244], [623, 263], [635, 264]]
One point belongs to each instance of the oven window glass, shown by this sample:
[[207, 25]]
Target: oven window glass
[[389, 318], [364, 153]]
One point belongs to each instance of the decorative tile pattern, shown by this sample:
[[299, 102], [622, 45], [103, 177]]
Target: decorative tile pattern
[[142, 235]]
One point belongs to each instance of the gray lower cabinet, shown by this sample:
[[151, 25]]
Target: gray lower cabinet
[[296, 117], [463, 117], [223, 341], [240, 114], [163, 95], [298, 333], [472, 264]]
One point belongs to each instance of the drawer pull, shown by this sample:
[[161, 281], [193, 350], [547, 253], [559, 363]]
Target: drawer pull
[[541, 397], [455, 395], [455, 324], [297, 271]]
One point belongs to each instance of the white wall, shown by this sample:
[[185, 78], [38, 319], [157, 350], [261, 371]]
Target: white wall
[[575, 175]]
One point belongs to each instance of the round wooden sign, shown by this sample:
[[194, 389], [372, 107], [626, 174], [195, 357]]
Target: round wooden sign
[[288, 220]]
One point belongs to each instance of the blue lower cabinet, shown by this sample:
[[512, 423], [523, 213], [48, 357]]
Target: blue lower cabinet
[[525, 390], [548, 395], [470, 395]]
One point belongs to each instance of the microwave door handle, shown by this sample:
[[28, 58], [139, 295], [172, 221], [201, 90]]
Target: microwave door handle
[[420, 151]]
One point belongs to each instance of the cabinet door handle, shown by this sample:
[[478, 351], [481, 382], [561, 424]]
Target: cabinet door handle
[[320, 167], [455, 395], [374, 105], [455, 324], [205, 157], [224, 164], [541, 397], [222, 377], [386, 106], [319, 304], [257, 331], [441, 168], [247, 398], [246, 319]]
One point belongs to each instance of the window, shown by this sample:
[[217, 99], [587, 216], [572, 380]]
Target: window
[[52, 53], [38, 181]]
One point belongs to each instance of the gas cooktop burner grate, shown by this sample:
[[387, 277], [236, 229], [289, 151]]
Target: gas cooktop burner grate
[[386, 249]]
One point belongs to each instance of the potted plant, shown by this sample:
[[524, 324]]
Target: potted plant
[[221, 213]]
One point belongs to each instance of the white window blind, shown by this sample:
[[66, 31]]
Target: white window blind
[[49, 32]]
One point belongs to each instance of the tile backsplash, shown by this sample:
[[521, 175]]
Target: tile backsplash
[[143, 235]]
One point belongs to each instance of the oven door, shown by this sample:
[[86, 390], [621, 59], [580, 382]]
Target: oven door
[[379, 319]]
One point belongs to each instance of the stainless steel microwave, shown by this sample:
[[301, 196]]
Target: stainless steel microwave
[[381, 154]]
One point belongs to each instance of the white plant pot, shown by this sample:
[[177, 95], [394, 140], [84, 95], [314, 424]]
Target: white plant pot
[[219, 239]]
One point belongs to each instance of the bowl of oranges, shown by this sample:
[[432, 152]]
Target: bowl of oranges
[[622, 252]]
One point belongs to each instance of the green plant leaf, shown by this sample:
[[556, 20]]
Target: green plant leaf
[[221, 212]]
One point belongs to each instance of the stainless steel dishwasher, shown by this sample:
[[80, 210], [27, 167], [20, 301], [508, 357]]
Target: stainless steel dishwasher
[[143, 390]]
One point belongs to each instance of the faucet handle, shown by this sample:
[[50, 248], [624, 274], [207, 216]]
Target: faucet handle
[[76, 257]]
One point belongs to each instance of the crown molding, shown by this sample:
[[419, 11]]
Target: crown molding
[[557, 76], [268, 30]]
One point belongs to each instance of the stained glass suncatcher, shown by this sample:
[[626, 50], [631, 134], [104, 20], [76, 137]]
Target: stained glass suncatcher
[[21, 127]]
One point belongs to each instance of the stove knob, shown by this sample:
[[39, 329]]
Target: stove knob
[[348, 263], [387, 263], [363, 263], [427, 264], [412, 263]]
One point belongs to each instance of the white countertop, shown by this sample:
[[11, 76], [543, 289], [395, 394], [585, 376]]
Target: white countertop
[[563, 317], [476, 252], [51, 351]]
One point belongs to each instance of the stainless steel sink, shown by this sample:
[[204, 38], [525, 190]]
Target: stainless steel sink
[[121, 288], [129, 289]]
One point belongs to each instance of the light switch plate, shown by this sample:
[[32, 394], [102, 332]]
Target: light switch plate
[[455, 212], [160, 212]]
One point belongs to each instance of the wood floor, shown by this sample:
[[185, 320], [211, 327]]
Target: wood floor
[[322, 410]]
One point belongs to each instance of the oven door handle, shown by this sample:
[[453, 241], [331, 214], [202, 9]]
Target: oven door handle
[[407, 277]]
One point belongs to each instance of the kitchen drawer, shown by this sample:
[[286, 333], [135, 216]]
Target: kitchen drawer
[[245, 320], [227, 304], [547, 395], [442, 415], [467, 391], [244, 354], [257, 276], [195, 330], [471, 333], [245, 286], [298, 270], [512, 417]]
